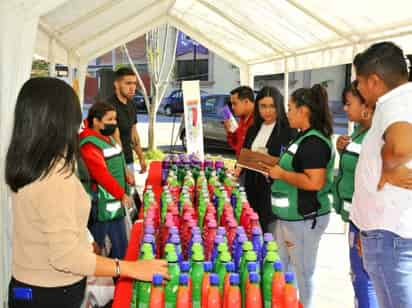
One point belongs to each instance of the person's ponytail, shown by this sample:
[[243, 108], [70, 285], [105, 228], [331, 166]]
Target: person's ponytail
[[321, 118], [316, 100]]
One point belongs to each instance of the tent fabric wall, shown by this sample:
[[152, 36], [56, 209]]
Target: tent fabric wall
[[260, 37]]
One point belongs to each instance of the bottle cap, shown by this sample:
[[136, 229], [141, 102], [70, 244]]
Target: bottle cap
[[169, 247], [175, 239], [185, 266], [247, 245], [197, 247], [272, 256], [272, 246], [289, 277], [197, 239], [157, 279], [221, 231], [277, 266], [254, 277], [250, 256], [230, 267], [198, 256], [184, 279], [171, 256], [225, 257], [222, 247], [149, 229], [256, 231], [208, 266], [251, 267], [234, 279], [148, 238], [214, 279], [219, 239]]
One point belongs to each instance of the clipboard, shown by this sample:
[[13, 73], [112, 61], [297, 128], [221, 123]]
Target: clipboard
[[252, 160]]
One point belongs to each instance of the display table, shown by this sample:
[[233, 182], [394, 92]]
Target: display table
[[124, 287]]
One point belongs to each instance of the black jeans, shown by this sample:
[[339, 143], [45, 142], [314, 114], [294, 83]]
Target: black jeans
[[70, 296]]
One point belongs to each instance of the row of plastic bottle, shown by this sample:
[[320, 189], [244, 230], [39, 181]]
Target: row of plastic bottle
[[204, 225], [233, 295]]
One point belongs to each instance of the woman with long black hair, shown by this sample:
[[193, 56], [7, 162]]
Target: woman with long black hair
[[270, 133], [303, 179], [51, 249]]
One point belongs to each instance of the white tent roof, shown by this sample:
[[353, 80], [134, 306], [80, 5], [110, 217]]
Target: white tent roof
[[258, 35]]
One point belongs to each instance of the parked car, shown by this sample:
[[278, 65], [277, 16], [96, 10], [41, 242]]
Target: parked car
[[214, 133], [173, 103], [139, 102]]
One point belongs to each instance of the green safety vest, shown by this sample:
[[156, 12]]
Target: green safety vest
[[109, 208], [285, 195], [344, 184]]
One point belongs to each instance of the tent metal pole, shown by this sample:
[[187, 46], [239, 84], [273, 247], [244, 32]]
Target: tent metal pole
[[286, 84]]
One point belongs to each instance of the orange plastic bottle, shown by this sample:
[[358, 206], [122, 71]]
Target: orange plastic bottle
[[184, 298], [207, 267], [278, 286], [233, 297], [230, 268], [253, 293], [290, 297], [157, 294], [213, 297]]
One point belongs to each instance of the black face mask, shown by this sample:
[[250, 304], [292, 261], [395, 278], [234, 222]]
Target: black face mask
[[108, 129]]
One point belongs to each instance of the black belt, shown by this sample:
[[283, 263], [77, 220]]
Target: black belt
[[314, 216]]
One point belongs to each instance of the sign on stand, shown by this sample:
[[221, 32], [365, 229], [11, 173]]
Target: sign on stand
[[193, 118]]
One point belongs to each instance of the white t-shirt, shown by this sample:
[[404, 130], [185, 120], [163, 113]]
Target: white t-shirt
[[391, 208], [262, 137]]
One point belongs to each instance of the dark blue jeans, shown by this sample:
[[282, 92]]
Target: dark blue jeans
[[115, 230], [388, 260]]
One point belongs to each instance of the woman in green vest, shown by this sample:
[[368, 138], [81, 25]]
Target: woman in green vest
[[349, 148], [302, 181], [105, 179]]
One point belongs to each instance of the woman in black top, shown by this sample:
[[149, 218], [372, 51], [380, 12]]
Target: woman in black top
[[270, 133]]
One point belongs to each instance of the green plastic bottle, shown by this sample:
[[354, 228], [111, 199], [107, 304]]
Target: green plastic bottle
[[272, 246], [221, 248], [225, 258], [173, 284], [268, 272], [144, 288], [247, 246], [201, 210], [196, 248], [197, 277]]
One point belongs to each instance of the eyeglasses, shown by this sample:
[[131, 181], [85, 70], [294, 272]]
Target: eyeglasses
[[267, 107]]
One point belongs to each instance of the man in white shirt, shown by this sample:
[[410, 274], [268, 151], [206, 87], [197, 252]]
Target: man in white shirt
[[381, 210]]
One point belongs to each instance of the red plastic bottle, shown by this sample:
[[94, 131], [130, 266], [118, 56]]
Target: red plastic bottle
[[278, 286], [157, 294], [253, 292], [290, 296], [213, 297], [184, 296]]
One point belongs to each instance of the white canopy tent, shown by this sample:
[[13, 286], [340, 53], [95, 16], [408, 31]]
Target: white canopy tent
[[259, 36]]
